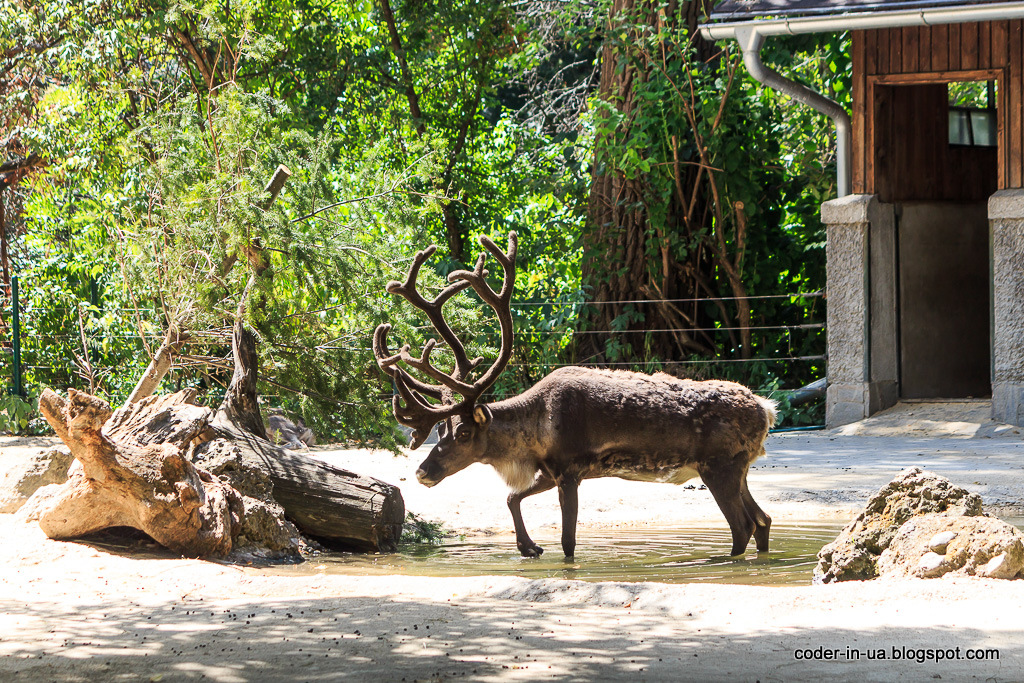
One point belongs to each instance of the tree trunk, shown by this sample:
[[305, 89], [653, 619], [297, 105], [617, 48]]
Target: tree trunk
[[629, 256], [5, 261], [158, 368], [11, 173]]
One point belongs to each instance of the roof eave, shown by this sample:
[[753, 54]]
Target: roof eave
[[795, 11], [781, 26]]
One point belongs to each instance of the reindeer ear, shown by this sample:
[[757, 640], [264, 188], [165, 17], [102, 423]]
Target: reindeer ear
[[482, 416]]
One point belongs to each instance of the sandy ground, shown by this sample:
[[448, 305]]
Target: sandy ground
[[79, 612]]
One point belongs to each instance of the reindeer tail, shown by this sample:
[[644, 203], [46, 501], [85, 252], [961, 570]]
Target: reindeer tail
[[771, 408]]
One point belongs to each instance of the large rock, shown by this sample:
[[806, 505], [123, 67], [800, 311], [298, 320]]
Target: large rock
[[24, 474], [855, 552], [285, 432], [935, 545]]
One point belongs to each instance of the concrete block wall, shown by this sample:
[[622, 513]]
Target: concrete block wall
[[861, 295], [1006, 220], [846, 257]]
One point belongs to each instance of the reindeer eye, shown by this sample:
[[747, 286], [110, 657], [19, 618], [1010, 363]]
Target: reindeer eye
[[462, 436]]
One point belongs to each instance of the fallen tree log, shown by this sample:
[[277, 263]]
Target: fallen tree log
[[328, 503], [202, 490], [204, 483]]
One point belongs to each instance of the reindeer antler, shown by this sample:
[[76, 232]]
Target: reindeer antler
[[418, 413]]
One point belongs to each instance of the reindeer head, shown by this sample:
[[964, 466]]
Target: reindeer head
[[463, 432], [462, 441]]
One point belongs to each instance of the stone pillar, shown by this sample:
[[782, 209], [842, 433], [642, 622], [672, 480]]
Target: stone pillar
[[861, 295], [1006, 218]]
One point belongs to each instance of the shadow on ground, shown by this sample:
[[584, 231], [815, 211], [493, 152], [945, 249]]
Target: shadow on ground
[[400, 639]]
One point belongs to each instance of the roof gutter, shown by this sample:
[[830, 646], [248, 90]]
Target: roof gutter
[[751, 35], [867, 20]]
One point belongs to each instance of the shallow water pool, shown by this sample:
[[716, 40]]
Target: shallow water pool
[[663, 554]]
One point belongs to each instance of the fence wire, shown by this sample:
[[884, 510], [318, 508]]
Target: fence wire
[[76, 355]]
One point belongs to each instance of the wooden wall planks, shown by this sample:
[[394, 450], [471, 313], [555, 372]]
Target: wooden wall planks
[[885, 60], [1012, 133]]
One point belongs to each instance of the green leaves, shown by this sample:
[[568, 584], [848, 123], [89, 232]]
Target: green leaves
[[162, 122], [15, 414]]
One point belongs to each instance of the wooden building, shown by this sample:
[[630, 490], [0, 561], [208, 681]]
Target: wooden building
[[925, 249]]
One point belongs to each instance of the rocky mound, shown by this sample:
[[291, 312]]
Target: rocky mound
[[920, 524]]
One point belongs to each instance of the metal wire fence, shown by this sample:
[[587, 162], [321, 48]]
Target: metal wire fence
[[67, 352]]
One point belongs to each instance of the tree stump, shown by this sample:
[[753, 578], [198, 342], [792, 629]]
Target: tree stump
[[241, 406], [135, 472]]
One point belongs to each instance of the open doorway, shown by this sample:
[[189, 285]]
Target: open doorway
[[938, 164]]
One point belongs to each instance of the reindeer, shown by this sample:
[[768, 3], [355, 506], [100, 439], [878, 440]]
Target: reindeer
[[577, 423]]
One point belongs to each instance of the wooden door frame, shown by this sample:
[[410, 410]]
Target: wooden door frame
[[933, 77]]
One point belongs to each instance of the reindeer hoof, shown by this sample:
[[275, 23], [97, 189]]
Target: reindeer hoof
[[533, 550]]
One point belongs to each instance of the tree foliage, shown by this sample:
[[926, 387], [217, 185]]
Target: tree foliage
[[633, 162]]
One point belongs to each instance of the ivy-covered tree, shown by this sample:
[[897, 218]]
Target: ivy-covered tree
[[694, 215]]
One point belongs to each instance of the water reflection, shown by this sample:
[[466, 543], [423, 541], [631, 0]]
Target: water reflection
[[667, 555]]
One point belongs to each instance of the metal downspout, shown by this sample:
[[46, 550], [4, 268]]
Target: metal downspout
[[750, 43], [751, 35]]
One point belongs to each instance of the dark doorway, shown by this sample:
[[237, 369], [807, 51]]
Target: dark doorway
[[944, 294], [939, 178]]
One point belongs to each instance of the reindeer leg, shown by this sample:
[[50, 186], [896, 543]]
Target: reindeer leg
[[568, 499], [761, 519], [726, 487], [526, 546]]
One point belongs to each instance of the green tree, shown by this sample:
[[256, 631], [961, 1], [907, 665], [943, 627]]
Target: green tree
[[633, 162]]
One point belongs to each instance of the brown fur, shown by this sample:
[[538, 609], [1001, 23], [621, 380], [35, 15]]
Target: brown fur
[[580, 423]]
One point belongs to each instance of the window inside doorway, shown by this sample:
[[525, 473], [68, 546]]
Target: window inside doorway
[[972, 114]]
